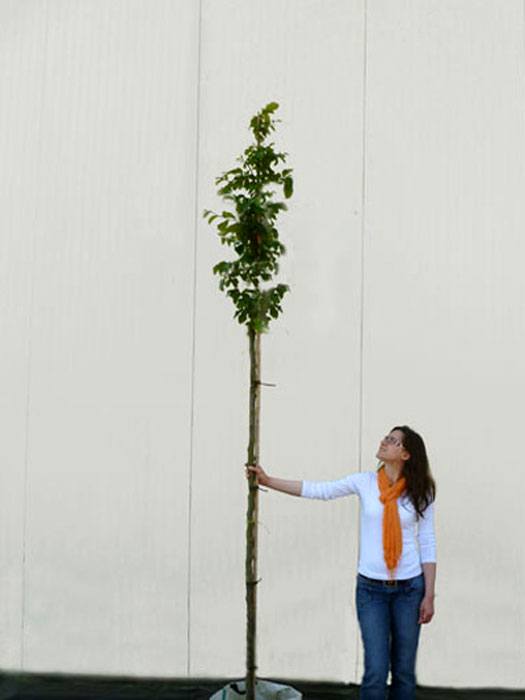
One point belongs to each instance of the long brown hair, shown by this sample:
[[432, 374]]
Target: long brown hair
[[420, 486]]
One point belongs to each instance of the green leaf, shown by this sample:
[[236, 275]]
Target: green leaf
[[288, 187]]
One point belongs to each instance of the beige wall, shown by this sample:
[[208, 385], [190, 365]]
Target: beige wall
[[125, 379]]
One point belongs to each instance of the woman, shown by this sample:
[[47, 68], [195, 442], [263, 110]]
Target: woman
[[394, 592]]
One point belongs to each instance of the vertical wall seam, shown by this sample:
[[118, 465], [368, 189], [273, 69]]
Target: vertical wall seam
[[29, 331], [361, 326], [192, 391]]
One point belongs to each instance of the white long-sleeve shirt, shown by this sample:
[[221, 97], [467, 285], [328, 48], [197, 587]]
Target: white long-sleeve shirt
[[418, 546]]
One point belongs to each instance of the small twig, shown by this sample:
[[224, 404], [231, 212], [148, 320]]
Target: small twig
[[265, 383], [254, 583]]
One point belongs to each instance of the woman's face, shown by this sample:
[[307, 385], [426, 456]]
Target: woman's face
[[391, 446]]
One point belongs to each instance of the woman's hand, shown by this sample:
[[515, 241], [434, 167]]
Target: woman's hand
[[262, 476], [426, 610]]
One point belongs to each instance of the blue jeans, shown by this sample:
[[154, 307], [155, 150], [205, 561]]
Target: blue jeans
[[388, 618]]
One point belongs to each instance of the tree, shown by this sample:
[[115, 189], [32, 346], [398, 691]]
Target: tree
[[250, 230]]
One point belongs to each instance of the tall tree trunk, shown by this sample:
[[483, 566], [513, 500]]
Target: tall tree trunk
[[252, 514]]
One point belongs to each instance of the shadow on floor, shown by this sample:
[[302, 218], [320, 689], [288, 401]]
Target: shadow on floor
[[28, 686]]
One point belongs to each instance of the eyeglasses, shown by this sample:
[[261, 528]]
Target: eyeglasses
[[392, 440]]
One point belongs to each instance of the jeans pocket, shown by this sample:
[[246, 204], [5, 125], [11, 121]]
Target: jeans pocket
[[417, 585], [362, 595]]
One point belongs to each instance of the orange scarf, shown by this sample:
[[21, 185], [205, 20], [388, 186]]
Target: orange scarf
[[392, 539]]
